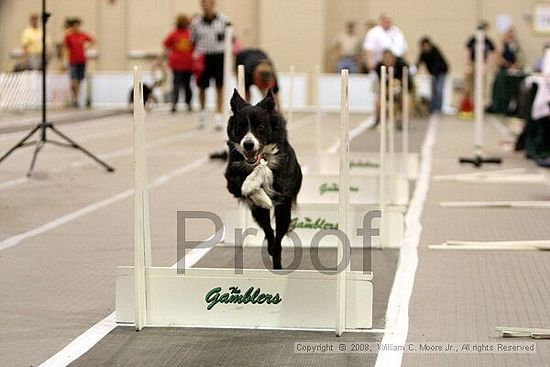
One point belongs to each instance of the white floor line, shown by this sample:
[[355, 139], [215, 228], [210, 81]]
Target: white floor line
[[17, 181], [397, 314], [355, 132], [14, 240], [85, 341]]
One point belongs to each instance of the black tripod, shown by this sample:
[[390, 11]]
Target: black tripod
[[43, 126]]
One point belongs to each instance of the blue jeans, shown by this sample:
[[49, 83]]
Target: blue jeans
[[438, 87], [348, 63]]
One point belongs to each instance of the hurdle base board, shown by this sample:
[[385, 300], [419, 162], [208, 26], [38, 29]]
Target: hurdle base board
[[310, 218], [365, 163], [323, 189], [180, 299]]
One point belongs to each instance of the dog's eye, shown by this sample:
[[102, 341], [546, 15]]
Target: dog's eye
[[261, 126]]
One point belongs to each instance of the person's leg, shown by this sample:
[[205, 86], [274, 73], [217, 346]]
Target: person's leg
[[176, 85], [187, 87], [219, 99], [433, 101], [202, 98], [440, 91], [218, 76], [78, 72], [75, 89], [203, 83]]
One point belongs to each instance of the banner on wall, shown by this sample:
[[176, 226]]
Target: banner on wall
[[541, 18]]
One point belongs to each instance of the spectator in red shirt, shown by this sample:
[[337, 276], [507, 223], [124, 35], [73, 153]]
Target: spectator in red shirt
[[180, 50], [76, 42]]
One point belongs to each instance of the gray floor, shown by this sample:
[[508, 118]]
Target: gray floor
[[58, 283], [468, 294]]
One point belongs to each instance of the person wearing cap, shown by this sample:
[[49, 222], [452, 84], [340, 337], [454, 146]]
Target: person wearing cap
[[258, 71]]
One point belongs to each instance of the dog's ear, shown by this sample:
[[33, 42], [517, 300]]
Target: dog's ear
[[268, 103], [237, 102]]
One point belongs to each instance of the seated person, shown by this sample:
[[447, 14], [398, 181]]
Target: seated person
[[258, 71]]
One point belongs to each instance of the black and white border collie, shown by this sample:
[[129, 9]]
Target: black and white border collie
[[262, 168]]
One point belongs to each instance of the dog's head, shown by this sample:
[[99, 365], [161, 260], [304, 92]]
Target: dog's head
[[253, 128]]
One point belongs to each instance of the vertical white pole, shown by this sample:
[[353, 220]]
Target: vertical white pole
[[291, 95], [382, 170], [240, 81], [227, 76], [142, 229], [343, 206], [318, 137], [405, 136], [478, 131], [243, 208], [391, 120]]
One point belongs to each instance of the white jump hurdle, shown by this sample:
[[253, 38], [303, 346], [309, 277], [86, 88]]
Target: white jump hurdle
[[263, 299], [399, 163]]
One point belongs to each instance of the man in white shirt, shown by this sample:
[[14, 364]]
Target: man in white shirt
[[384, 36]]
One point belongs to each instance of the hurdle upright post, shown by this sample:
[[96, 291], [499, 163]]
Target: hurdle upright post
[[142, 228], [317, 78], [240, 81], [343, 256], [478, 92], [227, 75], [382, 166], [391, 118], [405, 135], [291, 95], [243, 208], [479, 159]]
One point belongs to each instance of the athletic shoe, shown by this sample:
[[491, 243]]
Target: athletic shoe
[[202, 120], [218, 122]]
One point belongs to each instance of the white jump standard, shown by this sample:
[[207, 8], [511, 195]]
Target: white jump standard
[[478, 160], [263, 299]]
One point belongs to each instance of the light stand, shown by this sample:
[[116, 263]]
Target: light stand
[[44, 125]]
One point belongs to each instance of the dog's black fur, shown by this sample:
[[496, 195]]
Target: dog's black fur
[[269, 128]]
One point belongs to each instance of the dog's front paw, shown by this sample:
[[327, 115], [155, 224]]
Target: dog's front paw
[[261, 199], [250, 185]]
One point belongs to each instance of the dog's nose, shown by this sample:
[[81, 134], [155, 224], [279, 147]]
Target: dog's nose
[[248, 145]]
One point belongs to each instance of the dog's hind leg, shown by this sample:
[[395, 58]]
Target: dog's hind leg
[[263, 218], [282, 221]]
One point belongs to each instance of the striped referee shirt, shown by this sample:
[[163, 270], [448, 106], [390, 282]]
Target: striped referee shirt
[[208, 36]]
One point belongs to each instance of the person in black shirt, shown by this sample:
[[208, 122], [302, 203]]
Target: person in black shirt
[[509, 55], [258, 71], [437, 67]]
